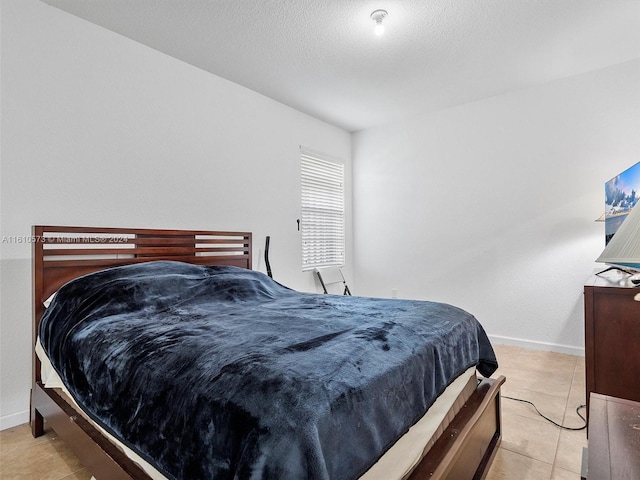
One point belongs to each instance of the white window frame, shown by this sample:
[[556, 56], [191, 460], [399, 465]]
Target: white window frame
[[322, 210]]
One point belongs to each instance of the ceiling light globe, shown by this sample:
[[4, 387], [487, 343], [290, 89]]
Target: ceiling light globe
[[377, 16]]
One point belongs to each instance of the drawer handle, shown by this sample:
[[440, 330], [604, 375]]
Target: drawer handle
[[637, 297]]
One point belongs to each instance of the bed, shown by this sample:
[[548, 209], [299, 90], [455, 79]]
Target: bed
[[356, 424]]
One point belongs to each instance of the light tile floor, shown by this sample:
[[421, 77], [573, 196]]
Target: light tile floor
[[531, 447]]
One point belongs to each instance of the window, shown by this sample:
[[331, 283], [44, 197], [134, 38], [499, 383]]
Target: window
[[322, 225]]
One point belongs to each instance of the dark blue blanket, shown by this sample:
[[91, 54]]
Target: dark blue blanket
[[222, 373]]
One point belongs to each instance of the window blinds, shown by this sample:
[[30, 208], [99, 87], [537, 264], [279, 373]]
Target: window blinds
[[322, 225]]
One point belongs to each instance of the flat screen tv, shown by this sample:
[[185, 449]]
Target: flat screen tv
[[621, 195]]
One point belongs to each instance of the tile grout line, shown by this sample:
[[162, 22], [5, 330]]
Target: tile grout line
[[564, 416]]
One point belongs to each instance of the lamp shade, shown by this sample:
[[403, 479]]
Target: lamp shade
[[624, 248]]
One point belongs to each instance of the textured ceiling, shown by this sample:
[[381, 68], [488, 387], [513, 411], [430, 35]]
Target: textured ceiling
[[322, 57]]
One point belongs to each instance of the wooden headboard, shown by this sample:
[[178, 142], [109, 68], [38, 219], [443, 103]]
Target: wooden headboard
[[61, 254]]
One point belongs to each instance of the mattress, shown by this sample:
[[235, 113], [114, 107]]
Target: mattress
[[396, 464]]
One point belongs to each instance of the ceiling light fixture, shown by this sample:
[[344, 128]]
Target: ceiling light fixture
[[377, 16]]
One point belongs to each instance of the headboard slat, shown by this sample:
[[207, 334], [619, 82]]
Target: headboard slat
[[176, 249]]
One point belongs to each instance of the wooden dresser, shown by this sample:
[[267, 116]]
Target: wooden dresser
[[614, 439], [612, 336]]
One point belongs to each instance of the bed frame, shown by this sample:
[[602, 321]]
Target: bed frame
[[464, 451]]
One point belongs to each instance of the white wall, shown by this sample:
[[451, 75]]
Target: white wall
[[98, 130], [491, 205]]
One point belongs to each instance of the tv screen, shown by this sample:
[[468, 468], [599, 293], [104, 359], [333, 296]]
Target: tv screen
[[621, 195]]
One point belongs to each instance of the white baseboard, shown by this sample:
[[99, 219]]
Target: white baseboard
[[14, 419], [549, 347]]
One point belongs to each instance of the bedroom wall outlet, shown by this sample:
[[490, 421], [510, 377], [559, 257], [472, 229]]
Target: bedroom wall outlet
[[394, 293]]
